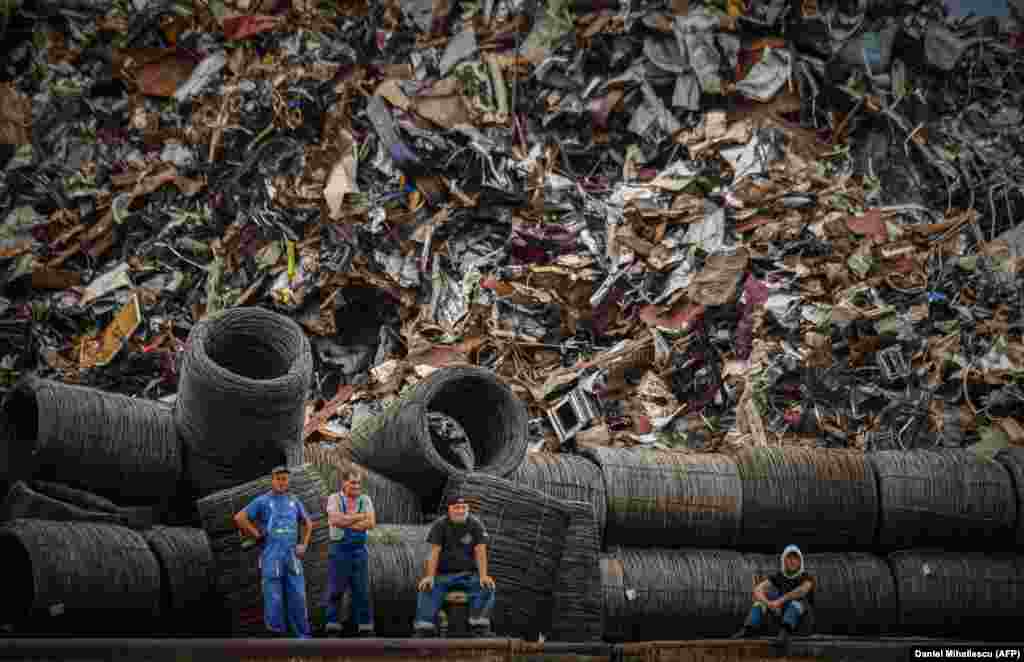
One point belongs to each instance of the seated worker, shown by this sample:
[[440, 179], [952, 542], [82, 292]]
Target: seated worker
[[457, 562], [788, 594]]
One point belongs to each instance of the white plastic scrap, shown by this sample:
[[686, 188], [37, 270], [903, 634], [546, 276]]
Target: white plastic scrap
[[201, 76]]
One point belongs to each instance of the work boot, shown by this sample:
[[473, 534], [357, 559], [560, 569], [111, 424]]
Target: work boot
[[482, 632], [366, 633], [332, 630], [742, 633], [782, 639], [423, 633]]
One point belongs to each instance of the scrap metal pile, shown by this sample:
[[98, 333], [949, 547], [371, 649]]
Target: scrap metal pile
[[699, 225]]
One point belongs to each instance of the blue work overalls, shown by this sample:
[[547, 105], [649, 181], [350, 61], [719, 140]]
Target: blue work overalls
[[348, 568], [284, 583]]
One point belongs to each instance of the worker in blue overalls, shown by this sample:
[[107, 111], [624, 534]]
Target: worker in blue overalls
[[350, 515], [273, 519]]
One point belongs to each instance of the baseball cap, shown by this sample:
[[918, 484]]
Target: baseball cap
[[280, 470], [454, 499]]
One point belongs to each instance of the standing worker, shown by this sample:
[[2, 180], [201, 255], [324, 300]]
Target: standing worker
[[350, 515], [273, 519]]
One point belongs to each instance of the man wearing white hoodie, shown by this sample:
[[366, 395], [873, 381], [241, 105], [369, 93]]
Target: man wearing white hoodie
[[785, 596]]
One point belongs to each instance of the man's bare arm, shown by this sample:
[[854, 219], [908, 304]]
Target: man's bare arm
[[245, 524], [309, 532], [480, 553], [336, 518], [799, 592], [433, 560], [366, 522], [760, 591]]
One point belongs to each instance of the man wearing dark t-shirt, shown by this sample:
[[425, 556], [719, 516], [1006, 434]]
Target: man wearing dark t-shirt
[[786, 596], [458, 562]]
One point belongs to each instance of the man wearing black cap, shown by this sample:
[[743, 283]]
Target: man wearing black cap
[[273, 518], [458, 562]]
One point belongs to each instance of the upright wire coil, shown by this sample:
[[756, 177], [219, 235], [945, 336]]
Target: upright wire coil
[[569, 478], [397, 554], [578, 613], [527, 533], [186, 569], [665, 499], [828, 499]]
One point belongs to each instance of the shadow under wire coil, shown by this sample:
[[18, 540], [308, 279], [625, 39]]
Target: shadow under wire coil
[[397, 443], [855, 593], [578, 613], [969, 594], [393, 503], [51, 501], [527, 534], [665, 499], [569, 478], [237, 573], [1013, 460], [656, 594], [186, 570], [242, 391], [129, 445], [77, 577], [948, 499], [828, 499]]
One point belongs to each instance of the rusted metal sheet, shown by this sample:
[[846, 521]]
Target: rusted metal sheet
[[711, 650]]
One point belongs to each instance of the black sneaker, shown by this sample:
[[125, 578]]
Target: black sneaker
[[366, 634], [742, 633], [422, 634], [482, 632], [782, 639]]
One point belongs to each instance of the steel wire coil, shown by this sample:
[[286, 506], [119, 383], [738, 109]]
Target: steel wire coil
[[567, 477], [828, 499], [393, 503], [398, 443], [578, 612], [527, 530], [242, 391], [237, 573], [652, 594], [204, 475], [50, 501], [951, 498], [970, 593], [1013, 460], [665, 499], [186, 570], [854, 593], [397, 557], [121, 447], [78, 578]]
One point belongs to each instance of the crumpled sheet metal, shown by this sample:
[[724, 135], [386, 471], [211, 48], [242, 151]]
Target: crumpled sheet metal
[[556, 192]]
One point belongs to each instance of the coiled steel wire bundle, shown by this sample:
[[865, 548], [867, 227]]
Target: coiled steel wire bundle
[[398, 444], [1013, 460], [828, 499], [52, 501], [397, 554], [665, 499], [121, 447], [967, 593], [569, 478], [652, 594], [950, 498], [241, 396], [186, 571], [78, 578], [854, 592], [237, 573], [393, 503], [578, 613], [527, 530]]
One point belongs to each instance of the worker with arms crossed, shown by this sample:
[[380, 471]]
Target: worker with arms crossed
[[350, 514], [273, 519]]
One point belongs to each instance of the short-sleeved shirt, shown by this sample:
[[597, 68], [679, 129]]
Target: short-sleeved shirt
[[262, 509], [784, 584], [363, 504], [457, 542]]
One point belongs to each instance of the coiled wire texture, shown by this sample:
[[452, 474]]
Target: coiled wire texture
[[569, 478], [59, 503], [187, 574], [578, 613], [1013, 460]]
